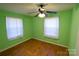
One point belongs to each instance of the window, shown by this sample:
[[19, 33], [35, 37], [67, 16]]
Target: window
[[14, 27], [51, 27]]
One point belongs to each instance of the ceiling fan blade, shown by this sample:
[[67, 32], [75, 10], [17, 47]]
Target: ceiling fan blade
[[51, 12], [32, 12], [36, 15]]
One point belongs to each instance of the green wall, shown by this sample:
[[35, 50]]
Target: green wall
[[74, 30], [65, 24], [4, 42]]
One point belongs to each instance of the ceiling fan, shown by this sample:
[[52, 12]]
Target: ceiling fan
[[42, 12]]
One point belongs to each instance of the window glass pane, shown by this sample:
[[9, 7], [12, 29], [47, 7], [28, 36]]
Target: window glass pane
[[19, 27], [51, 27], [14, 27]]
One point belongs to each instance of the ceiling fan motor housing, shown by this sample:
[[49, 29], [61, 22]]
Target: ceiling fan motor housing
[[41, 10]]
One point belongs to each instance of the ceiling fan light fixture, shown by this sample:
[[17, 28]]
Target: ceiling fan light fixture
[[41, 15]]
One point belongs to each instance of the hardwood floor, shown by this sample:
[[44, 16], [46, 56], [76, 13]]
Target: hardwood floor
[[36, 48]]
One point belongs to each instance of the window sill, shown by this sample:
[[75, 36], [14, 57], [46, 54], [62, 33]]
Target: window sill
[[18, 37], [51, 37]]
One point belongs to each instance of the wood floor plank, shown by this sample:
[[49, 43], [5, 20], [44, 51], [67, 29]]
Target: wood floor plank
[[35, 47]]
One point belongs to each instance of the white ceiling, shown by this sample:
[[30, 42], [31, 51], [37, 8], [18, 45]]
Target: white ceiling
[[25, 8]]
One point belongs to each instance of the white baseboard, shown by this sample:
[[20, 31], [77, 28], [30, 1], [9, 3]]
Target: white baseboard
[[14, 45], [52, 43]]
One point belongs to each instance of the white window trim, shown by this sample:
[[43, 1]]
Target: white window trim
[[50, 36], [18, 36]]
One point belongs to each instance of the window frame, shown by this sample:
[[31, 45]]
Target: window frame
[[18, 36], [48, 36]]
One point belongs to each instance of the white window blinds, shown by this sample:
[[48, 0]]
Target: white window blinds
[[51, 27], [14, 27]]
